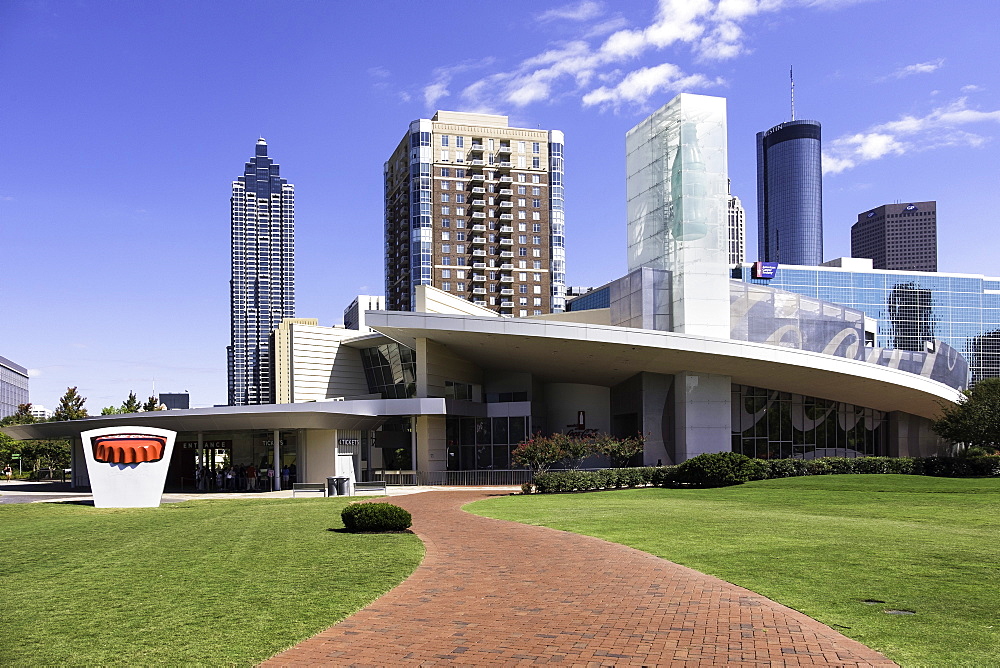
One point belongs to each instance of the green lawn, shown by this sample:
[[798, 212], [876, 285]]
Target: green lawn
[[823, 545], [199, 583]]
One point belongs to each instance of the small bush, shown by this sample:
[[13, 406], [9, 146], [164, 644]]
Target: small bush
[[720, 469], [375, 517]]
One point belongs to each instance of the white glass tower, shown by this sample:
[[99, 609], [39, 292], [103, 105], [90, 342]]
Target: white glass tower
[[262, 288]]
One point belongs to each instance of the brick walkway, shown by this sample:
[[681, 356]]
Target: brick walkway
[[491, 592]]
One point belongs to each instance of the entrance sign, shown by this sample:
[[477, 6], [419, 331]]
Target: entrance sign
[[127, 465]]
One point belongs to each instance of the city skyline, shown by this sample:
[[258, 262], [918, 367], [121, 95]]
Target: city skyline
[[120, 275]]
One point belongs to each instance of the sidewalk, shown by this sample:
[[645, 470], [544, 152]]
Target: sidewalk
[[491, 592]]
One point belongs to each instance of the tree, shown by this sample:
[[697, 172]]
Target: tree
[[130, 405], [538, 453], [110, 410], [70, 406], [152, 404], [975, 419], [22, 416], [620, 451]]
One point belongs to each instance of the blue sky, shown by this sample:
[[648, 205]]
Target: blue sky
[[125, 124]]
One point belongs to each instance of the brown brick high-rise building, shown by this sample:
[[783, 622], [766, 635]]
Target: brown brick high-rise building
[[898, 236], [475, 208]]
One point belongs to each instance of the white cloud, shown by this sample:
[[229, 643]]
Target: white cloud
[[972, 88], [941, 127], [581, 11], [918, 68], [598, 64], [638, 86]]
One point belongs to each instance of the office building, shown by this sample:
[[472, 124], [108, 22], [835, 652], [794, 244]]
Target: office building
[[790, 194], [737, 231], [175, 401], [475, 207], [898, 236], [13, 387], [262, 287], [40, 412]]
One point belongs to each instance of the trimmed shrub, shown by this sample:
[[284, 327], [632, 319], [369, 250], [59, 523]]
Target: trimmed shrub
[[375, 517], [841, 465], [663, 476], [785, 468], [720, 469]]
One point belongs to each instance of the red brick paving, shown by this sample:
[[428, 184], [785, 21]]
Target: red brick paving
[[491, 592]]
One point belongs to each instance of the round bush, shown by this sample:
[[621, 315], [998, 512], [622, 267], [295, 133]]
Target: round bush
[[720, 469], [368, 517]]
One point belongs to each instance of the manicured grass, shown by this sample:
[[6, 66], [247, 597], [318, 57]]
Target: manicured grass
[[198, 583], [823, 545]]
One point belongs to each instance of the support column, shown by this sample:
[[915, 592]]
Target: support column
[[703, 414], [277, 460]]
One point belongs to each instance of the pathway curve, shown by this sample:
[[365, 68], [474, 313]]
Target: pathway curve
[[491, 592]]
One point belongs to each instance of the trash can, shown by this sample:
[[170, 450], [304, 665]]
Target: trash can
[[339, 485]]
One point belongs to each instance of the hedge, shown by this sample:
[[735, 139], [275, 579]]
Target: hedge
[[730, 468], [375, 517]]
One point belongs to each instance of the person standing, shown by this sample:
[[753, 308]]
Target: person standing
[[7, 471]]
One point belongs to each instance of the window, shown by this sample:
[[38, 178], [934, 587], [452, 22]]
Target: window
[[521, 201], [537, 289], [520, 147], [536, 252], [536, 203], [536, 227], [446, 210], [522, 238], [535, 147], [461, 287], [445, 155], [446, 171], [446, 286], [535, 178], [459, 210], [459, 197], [537, 312], [460, 173], [522, 252], [535, 162], [460, 273], [493, 287], [460, 142], [521, 178], [522, 277], [445, 235], [446, 273], [537, 301], [445, 248], [535, 190], [522, 227], [521, 190], [491, 238], [444, 140], [446, 261], [460, 249], [536, 240], [459, 223], [445, 185], [521, 215], [445, 197], [460, 236], [522, 264], [535, 215], [523, 289], [446, 222], [534, 277], [522, 301]]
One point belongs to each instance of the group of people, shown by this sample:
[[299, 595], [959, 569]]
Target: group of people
[[241, 478]]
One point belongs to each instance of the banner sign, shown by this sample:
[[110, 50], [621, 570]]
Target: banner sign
[[765, 270]]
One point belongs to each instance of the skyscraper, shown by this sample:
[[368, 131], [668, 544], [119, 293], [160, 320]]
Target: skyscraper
[[737, 230], [475, 207], [898, 236], [790, 194], [262, 288], [13, 386]]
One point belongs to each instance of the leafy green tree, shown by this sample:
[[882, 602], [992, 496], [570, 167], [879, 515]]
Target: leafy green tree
[[130, 405], [538, 453], [975, 420], [22, 416], [620, 451], [70, 406], [152, 404], [110, 410], [574, 449]]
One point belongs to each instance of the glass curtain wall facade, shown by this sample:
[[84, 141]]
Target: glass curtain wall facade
[[790, 194], [13, 386], [913, 309], [768, 424], [262, 284], [477, 443]]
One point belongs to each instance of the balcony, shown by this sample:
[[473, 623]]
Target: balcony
[[506, 192], [478, 228], [506, 229], [478, 203], [476, 148], [477, 161], [478, 265], [506, 216], [478, 214], [479, 240], [503, 253], [482, 291], [478, 190], [505, 179], [477, 177], [506, 279], [479, 302], [506, 266], [479, 278], [479, 252], [507, 291], [504, 164], [506, 205], [506, 304], [506, 242], [504, 149]]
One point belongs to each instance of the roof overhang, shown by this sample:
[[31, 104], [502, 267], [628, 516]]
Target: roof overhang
[[355, 414], [603, 355]]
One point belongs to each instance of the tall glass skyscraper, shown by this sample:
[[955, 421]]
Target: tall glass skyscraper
[[262, 287], [790, 194]]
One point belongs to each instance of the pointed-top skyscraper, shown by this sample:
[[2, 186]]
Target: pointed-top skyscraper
[[262, 287]]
